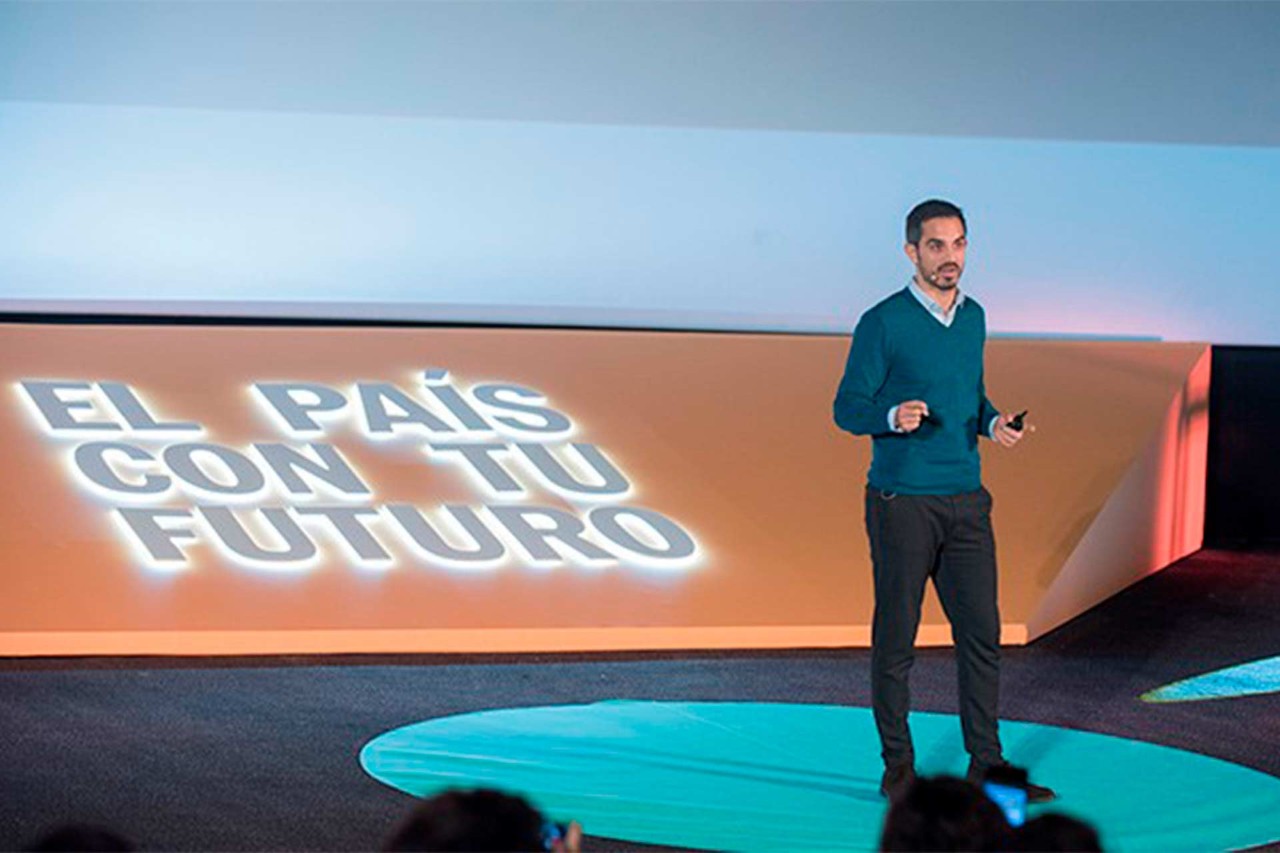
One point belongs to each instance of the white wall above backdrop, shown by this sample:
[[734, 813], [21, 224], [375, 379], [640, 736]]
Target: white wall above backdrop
[[670, 165]]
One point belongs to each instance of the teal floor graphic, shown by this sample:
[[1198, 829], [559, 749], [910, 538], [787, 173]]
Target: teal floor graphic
[[1247, 679], [761, 776]]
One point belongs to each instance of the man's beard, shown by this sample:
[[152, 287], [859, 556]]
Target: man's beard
[[943, 284]]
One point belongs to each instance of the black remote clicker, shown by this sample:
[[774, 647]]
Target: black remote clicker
[[1016, 424]]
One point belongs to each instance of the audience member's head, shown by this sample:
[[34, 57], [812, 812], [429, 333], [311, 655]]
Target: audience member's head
[[479, 820], [944, 813], [1058, 833], [80, 837]]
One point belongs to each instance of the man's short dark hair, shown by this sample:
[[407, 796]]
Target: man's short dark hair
[[944, 813], [1057, 832], [82, 837], [479, 820], [934, 208]]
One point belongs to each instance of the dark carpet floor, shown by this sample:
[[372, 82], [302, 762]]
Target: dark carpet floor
[[261, 754]]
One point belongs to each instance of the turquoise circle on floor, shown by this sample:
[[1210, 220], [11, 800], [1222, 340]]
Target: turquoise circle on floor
[[764, 776]]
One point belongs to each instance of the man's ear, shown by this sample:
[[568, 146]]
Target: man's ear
[[913, 252]]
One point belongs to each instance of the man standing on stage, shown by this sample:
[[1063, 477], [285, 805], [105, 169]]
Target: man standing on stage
[[913, 382]]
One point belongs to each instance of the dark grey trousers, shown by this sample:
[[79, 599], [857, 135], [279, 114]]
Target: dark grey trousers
[[947, 538]]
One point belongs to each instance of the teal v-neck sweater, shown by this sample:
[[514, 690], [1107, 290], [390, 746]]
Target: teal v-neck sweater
[[900, 352]]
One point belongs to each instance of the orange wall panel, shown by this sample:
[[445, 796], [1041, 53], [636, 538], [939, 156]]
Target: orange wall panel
[[727, 436]]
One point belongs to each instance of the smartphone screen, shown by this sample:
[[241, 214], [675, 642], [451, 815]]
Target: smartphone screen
[[1011, 800], [552, 834]]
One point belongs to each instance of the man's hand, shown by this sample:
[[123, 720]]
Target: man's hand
[[572, 841], [910, 414], [1007, 436]]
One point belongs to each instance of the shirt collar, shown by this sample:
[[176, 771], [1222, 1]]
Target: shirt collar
[[934, 308]]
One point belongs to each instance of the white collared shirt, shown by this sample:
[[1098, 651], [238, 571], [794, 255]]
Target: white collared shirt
[[943, 316]]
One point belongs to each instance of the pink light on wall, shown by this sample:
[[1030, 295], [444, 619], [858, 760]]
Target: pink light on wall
[[1179, 528]]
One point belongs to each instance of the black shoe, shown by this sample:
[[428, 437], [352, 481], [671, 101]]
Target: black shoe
[[896, 780], [1035, 793]]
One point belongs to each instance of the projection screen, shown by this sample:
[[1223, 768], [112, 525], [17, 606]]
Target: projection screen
[[717, 166]]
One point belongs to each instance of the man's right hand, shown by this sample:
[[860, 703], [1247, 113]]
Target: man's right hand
[[910, 414]]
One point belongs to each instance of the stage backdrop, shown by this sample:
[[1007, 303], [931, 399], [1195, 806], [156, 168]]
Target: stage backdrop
[[229, 490]]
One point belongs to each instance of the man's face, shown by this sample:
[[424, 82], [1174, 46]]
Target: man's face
[[939, 256]]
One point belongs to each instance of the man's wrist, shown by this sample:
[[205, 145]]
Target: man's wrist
[[893, 420]]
